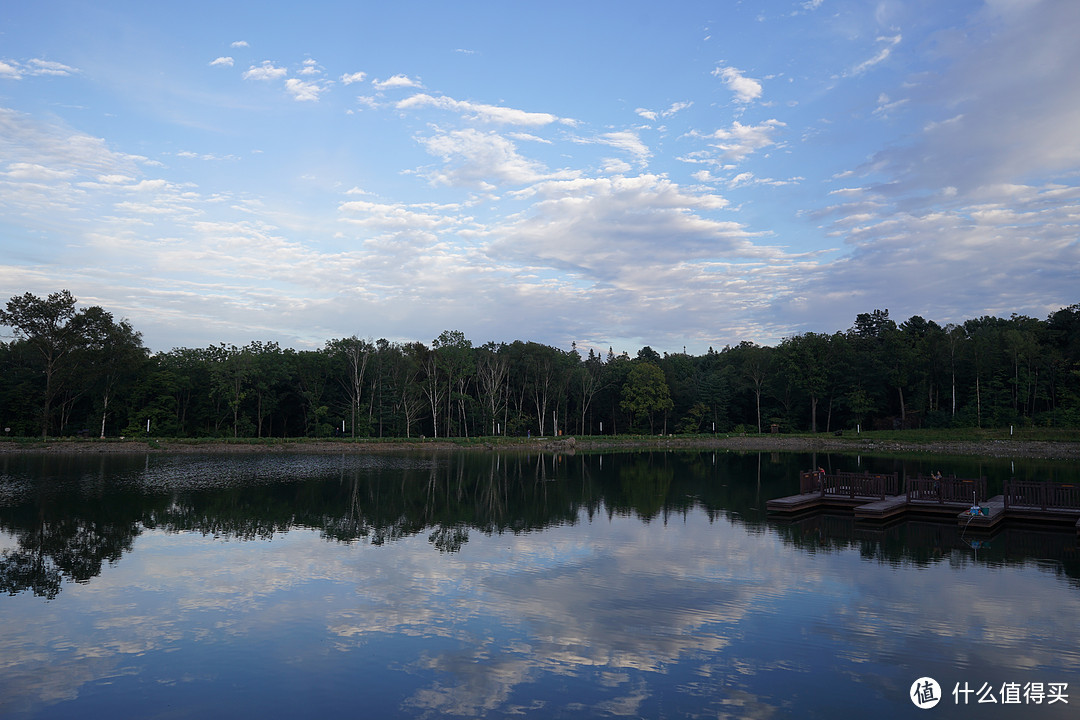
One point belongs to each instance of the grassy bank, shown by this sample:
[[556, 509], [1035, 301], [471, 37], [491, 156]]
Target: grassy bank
[[1027, 442]]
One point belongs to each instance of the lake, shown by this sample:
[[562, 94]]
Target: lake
[[472, 585]]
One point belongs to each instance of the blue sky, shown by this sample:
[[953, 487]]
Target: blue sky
[[687, 174]]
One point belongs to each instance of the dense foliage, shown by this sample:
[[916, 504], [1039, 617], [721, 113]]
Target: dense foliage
[[68, 371]]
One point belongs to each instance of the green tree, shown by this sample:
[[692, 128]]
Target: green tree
[[57, 332], [453, 361], [114, 358], [354, 353], [646, 393], [804, 358]]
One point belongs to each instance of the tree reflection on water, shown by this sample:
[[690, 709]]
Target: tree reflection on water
[[69, 516]]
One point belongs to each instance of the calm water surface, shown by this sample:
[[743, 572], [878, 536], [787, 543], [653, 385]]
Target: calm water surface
[[474, 585]]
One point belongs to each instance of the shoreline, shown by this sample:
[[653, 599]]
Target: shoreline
[[1032, 449]]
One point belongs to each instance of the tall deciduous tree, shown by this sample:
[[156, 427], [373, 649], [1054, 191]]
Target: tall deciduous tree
[[53, 327], [354, 353], [646, 392], [804, 358], [114, 356]]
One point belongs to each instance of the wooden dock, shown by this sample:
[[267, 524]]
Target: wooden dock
[[874, 498], [882, 509]]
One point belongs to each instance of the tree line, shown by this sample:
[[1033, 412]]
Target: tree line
[[78, 371]]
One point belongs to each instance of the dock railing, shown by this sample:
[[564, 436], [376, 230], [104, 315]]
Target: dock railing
[[849, 484], [946, 489], [1043, 495]]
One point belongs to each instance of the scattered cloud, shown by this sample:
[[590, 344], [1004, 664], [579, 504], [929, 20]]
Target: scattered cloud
[[677, 107], [350, 78], [737, 142], [14, 70], [305, 91], [395, 82], [627, 141], [528, 137], [886, 106], [653, 115], [605, 227], [881, 56], [48, 67], [266, 71], [240, 44], [472, 158], [223, 61], [478, 111], [392, 216], [188, 155], [746, 89]]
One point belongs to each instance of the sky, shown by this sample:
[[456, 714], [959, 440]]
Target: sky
[[610, 174]]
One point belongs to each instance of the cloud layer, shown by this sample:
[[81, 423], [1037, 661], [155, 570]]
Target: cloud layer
[[303, 191]]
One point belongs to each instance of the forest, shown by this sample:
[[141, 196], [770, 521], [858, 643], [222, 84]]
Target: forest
[[70, 371]]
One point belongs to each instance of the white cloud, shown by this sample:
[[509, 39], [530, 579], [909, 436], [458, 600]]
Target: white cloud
[[746, 89], [115, 179], [478, 111], [266, 71], [36, 173], [310, 67], [396, 217], [14, 70], [474, 158], [24, 139], [739, 141], [744, 179], [48, 67], [1002, 234], [615, 166], [305, 91], [677, 107], [608, 227], [886, 106], [350, 78], [203, 156], [629, 142], [881, 56], [240, 44], [397, 81], [528, 137], [653, 116], [223, 61]]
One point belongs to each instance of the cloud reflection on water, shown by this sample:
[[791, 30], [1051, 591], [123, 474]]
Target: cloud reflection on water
[[608, 616]]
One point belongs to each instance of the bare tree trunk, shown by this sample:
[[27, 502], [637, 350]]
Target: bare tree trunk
[[104, 411]]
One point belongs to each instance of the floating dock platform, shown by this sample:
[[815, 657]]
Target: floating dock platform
[[874, 498]]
